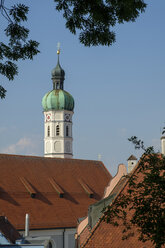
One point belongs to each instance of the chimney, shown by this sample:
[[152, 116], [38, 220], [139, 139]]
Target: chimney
[[27, 225]]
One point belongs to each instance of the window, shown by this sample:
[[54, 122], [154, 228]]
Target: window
[[67, 131], [48, 131], [57, 130], [50, 245]]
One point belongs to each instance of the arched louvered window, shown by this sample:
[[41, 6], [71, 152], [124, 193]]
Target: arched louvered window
[[57, 130], [50, 245], [67, 131], [48, 131]]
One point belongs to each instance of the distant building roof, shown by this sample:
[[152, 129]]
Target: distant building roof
[[132, 157], [54, 192], [8, 230], [95, 211], [107, 235]]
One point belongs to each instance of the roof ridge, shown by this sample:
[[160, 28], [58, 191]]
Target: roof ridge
[[48, 158]]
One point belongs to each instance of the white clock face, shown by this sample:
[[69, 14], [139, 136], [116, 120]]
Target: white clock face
[[67, 117], [48, 117]]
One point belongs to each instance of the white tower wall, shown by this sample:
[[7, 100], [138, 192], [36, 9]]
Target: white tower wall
[[58, 134], [131, 165], [132, 161], [163, 145]]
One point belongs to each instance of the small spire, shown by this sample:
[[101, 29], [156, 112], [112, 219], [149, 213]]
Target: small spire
[[58, 74]]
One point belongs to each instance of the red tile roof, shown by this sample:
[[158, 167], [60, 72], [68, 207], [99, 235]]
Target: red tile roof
[[25, 187], [107, 235], [84, 235], [7, 229]]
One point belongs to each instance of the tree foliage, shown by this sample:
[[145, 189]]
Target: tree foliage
[[143, 204], [18, 46], [96, 18]]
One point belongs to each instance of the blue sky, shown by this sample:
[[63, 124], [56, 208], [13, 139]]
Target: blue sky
[[118, 90]]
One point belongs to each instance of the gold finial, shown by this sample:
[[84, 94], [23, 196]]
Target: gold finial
[[58, 48]]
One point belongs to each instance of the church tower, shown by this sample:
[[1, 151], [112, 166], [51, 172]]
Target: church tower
[[58, 106]]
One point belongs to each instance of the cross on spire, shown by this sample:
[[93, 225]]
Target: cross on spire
[[58, 48]]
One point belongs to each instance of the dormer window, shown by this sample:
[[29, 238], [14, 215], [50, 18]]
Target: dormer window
[[57, 130]]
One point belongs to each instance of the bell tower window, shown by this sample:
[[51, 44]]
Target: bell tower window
[[67, 131], [57, 130], [48, 131]]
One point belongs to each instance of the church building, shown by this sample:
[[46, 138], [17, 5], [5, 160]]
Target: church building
[[55, 190]]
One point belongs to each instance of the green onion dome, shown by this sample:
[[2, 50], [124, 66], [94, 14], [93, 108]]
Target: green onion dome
[[58, 100]]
